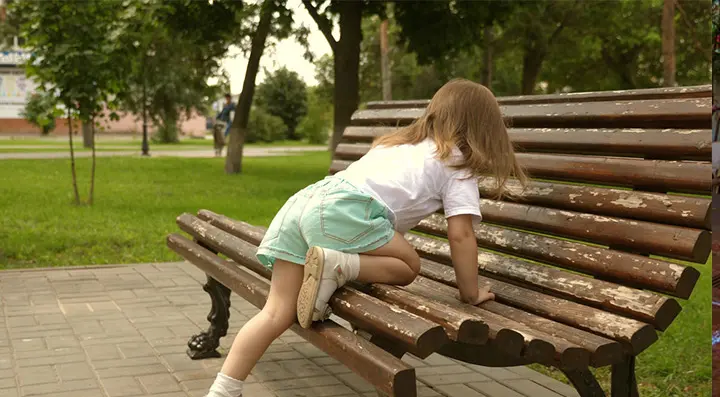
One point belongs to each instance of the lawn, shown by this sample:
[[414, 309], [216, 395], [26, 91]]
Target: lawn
[[129, 142], [138, 199]]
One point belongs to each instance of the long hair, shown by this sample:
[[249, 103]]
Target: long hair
[[465, 115]]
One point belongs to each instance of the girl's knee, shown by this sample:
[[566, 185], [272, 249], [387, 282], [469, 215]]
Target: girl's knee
[[413, 269], [281, 318]]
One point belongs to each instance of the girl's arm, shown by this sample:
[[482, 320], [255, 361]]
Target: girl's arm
[[463, 250]]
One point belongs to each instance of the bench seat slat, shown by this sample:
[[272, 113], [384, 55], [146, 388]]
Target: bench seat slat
[[671, 144], [635, 335], [380, 368], [700, 91], [656, 175], [642, 305], [677, 210], [512, 337], [638, 270], [603, 351], [667, 113], [418, 335], [637, 236]]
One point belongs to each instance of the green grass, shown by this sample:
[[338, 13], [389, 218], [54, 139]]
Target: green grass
[[134, 142], [136, 203], [138, 199]]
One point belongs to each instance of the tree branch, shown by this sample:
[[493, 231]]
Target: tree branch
[[323, 24], [562, 24]]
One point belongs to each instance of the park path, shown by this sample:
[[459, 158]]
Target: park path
[[112, 331], [194, 153]]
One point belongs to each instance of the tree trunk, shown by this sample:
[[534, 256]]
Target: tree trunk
[[385, 62], [532, 62], [72, 158], [91, 196], [487, 57], [87, 135], [238, 128], [347, 68], [668, 43]]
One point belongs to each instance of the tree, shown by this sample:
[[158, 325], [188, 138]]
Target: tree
[[169, 75], [41, 110], [668, 42], [316, 124], [284, 94], [76, 56]]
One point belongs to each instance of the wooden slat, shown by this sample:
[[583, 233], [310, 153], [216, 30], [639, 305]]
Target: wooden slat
[[635, 236], [602, 351], [669, 144], [628, 269], [635, 335], [701, 91], [677, 210], [418, 335], [639, 304], [384, 371], [673, 113], [653, 175], [502, 329]]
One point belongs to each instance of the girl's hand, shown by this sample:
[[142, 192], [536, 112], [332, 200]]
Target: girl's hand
[[483, 295]]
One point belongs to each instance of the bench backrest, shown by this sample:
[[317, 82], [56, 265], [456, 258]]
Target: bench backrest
[[619, 179]]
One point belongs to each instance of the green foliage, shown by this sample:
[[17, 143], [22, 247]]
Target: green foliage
[[76, 54], [264, 127], [169, 74], [284, 94], [316, 126], [41, 110]]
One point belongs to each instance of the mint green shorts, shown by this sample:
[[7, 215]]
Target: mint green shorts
[[330, 214]]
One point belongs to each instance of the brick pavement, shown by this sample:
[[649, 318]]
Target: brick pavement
[[122, 331]]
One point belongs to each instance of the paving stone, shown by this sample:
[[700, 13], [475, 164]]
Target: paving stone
[[496, 373], [37, 375], [56, 388], [319, 391], [159, 383], [450, 378], [494, 389], [29, 344], [74, 371], [529, 388], [122, 386], [557, 386], [137, 370], [459, 390]]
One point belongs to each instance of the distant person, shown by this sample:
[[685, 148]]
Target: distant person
[[225, 114]]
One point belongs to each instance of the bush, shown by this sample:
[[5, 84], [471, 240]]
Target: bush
[[316, 125], [41, 110], [264, 127]]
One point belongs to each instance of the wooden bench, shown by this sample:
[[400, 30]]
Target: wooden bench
[[620, 182]]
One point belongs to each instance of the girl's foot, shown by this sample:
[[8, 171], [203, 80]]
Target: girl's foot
[[225, 386], [326, 270]]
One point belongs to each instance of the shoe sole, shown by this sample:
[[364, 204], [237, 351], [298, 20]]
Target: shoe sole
[[312, 273]]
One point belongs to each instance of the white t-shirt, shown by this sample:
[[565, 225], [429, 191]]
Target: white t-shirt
[[413, 183]]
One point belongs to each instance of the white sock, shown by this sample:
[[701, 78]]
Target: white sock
[[352, 267], [225, 386]]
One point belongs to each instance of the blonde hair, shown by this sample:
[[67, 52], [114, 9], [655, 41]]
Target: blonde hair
[[465, 115]]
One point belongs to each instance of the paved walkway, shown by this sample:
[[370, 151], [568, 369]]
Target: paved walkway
[[122, 332], [195, 153]]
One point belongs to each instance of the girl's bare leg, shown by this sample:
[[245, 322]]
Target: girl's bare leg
[[275, 318], [394, 263]]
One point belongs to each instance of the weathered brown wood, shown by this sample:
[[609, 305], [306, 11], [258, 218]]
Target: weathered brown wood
[[701, 91], [689, 113], [573, 346], [636, 236], [541, 346], [459, 326], [637, 270], [669, 144], [639, 304], [418, 335], [653, 175], [634, 335], [677, 210], [376, 366]]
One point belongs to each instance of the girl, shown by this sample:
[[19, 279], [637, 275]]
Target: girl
[[350, 226]]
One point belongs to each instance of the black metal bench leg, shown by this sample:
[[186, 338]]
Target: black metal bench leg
[[391, 348], [585, 382], [624, 383], [205, 344]]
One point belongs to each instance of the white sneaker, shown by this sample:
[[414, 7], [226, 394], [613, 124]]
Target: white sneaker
[[320, 282]]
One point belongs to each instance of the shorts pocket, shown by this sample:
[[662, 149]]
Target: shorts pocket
[[347, 217]]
